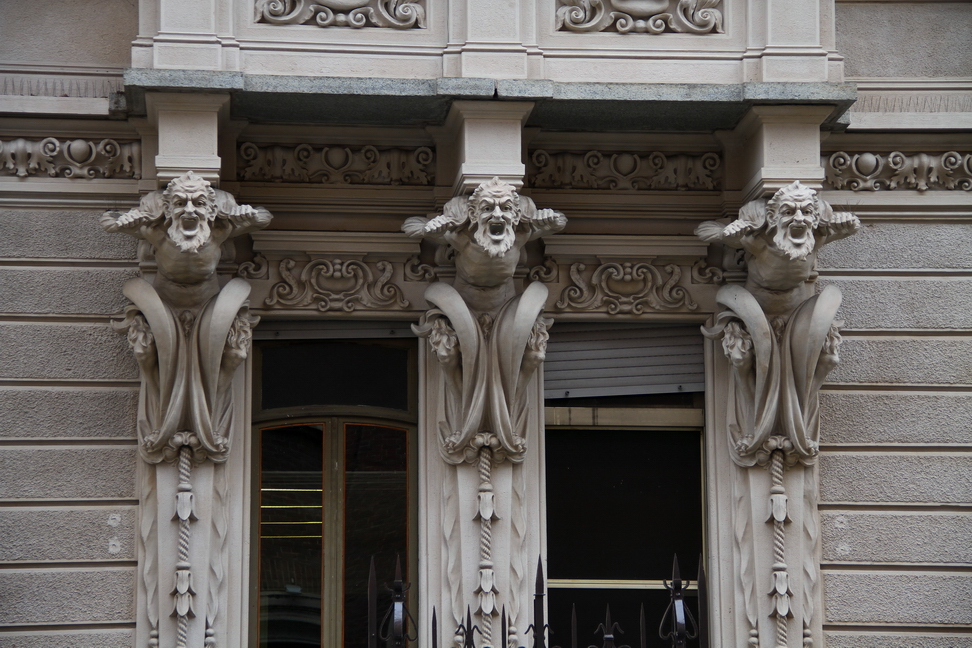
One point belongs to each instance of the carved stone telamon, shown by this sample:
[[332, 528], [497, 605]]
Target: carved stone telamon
[[189, 336], [489, 342], [781, 341]]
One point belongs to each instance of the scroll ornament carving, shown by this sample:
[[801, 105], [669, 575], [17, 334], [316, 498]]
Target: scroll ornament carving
[[76, 159], [895, 170], [598, 170], [188, 336], [338, 164], [781, 341], [489, 342], [625, 288], [396, 14], [336, 285], [641, 16]]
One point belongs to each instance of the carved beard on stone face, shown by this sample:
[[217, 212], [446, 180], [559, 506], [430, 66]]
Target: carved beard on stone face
[[796, 217], [190, 209], [495, 217]]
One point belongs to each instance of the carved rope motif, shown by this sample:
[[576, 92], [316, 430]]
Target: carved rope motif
[[79, 158], [598, 170], [896, 170], [641, 16], [625, 288], [397, 14], [338, 164], [336, 285]]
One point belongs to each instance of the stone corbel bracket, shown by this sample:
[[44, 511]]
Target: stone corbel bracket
[[365, 274], [619, 276]]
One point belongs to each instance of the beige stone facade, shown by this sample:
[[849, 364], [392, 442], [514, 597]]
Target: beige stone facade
[[637, 120]]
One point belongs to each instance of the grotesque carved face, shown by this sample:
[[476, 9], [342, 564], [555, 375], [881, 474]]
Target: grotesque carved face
[[494, 214], [795, 213], [190, 209]]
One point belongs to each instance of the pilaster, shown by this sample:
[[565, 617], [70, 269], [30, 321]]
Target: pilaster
[[188, 129]]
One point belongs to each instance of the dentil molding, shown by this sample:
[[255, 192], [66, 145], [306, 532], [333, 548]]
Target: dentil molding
[[337, 165], [396, 14], [922, 171], [76, 159], [641, 16], [624, 170]]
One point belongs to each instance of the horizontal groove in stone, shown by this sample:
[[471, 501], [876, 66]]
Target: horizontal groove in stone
[[893, 507], [35, 262], [884, 568], [52, 565], [96, 383], [68, 442], [48, 502], [945, 448], [893, 387]]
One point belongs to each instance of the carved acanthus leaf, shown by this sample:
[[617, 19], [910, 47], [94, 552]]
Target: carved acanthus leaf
[[641, 16], [79, 158], [896, 170], [625, 170], [336, 285], [258, 268], [415, 270], [397, 14], [625, 288], [338, 164], [703, 273], [545, 272]]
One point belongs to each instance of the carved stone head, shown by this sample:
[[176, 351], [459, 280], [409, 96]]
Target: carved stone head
[[792, 215], [190, 209], [494, 214]]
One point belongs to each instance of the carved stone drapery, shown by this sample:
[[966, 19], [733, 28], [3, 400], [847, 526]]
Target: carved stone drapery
[[397, 14], [624, 170], [76, 159], [486, 343], [189, 336], [781, 341], [641, 16], [337, 165], [922, 171]]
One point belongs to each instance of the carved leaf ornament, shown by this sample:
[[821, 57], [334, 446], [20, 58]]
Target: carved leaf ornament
[[396, 14], [338, 164], [640, 16], [625, 288], [336, 285], [624, 170], [896, 170], [79, 158]]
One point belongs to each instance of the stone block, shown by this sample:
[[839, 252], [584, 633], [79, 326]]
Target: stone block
[[896, 477], [903, 598], [50, 472], [67, 412], [66, 290], [945, 361], [45, 234], [67, 596], [935, 245], [857, 536], [72, 351], [878, 639], [101, 638], [895, 303], [96, 533], [885, 417], [877, 40]]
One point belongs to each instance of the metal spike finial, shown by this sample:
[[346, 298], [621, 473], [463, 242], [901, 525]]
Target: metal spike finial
[[372, 606]]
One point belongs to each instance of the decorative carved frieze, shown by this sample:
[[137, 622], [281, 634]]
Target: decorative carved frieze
[[641, 16], [338, 164], [896, 170], [624, 170], [625, 288], [47, 85], [79, 158], [333, 284], [397, 14]]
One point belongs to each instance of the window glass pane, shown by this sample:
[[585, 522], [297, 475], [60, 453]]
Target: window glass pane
[[334, 373], [621, 503], [290, 535], [376, 519]]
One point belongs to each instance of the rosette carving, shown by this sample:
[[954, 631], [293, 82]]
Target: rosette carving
[[336, 285], [624, 170], [640, 16], [625, 288], [397, 14], [896, 170]]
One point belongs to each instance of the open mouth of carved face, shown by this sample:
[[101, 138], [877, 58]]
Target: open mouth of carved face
[[497, 229], [190, 225], [798, 232]]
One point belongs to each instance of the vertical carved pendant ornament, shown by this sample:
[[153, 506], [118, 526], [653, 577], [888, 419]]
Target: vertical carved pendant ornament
[[189, 336], [488, 342], [781, 341]]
